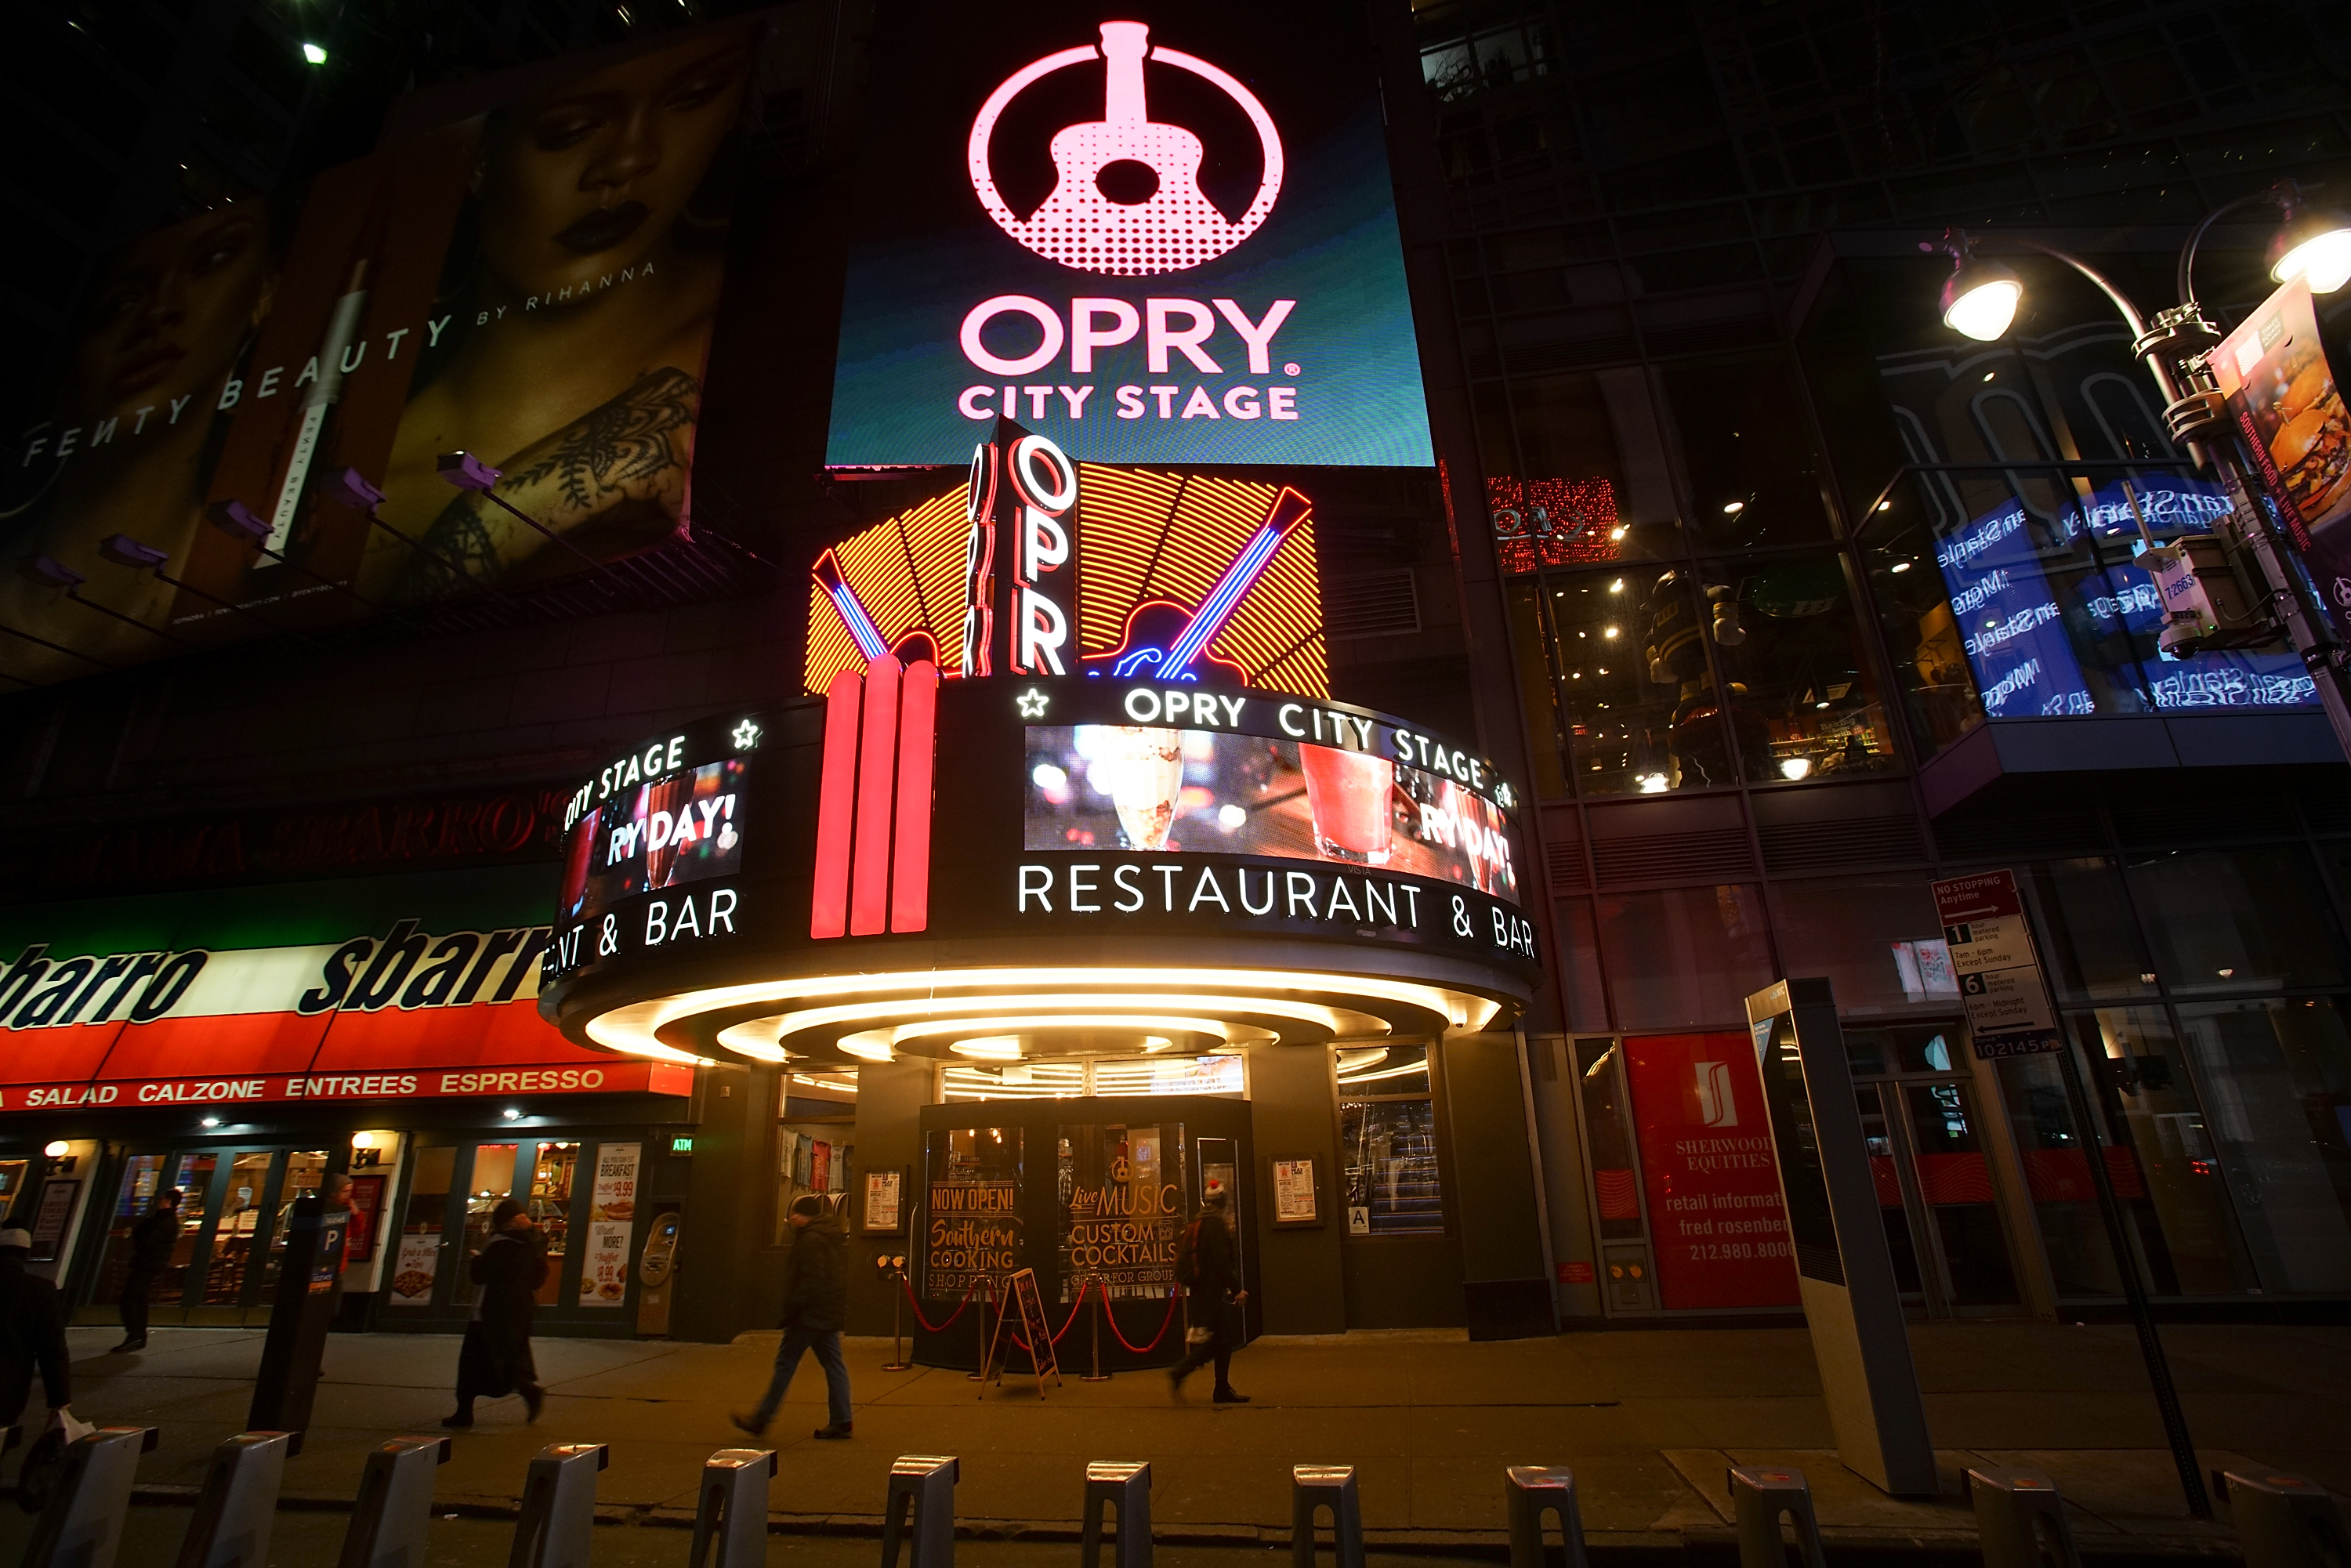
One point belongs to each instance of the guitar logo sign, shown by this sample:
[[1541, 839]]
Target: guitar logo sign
[[1127, 202]]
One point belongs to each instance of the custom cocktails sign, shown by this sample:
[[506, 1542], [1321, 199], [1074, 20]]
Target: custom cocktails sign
[[1159, 233]]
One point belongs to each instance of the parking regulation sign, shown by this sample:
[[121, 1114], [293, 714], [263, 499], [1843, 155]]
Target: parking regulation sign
[[1999, 971]]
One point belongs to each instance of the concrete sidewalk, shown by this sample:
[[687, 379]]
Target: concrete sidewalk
[[1649, 1419]]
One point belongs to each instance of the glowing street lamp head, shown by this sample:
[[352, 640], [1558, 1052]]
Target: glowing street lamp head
[[1979, 297], [2314, 244]]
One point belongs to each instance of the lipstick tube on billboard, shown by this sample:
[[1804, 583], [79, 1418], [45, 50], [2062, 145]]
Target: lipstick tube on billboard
[[316, 405]]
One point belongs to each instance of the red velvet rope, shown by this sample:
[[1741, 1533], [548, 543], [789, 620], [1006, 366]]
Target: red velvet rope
[[917, 1307], [1173, 1297]]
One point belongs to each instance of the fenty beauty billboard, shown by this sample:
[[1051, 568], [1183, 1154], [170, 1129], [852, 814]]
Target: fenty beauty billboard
[[535, 283], [1153, 233]]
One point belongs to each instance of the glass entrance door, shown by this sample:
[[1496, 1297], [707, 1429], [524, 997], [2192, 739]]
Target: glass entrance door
[[1927, 1159]]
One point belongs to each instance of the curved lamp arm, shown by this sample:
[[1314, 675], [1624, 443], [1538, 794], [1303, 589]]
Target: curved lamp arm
[[2188, 256], [2122, 303]]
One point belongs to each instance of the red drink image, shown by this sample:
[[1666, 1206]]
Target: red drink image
[[1348, 793]]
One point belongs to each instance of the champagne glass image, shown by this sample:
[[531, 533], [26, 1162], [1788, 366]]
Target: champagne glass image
[[1147, 776], [1347, 794]]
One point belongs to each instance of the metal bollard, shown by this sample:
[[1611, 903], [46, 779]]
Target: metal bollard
[[1124, 1485], [1529, 1491], [395, 1505], [559, 1505], [2284, 1521], [1325, 1486], [238, 1503], [1759, 1494], [82, 1526], [732, 1514], [924, 1484], [2011, 1506]]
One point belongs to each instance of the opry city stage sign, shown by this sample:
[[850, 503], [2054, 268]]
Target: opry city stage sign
[[1211, 273]]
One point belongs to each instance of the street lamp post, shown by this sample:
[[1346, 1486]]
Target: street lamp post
[[1980, 299]]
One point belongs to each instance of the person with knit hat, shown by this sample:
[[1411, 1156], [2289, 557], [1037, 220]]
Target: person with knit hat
[[32, 1333]]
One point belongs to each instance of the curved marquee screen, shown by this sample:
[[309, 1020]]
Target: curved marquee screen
[[902, 808]]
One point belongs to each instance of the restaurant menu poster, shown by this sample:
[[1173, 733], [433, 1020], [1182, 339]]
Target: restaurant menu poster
[[414, 1269], [611, 1216]]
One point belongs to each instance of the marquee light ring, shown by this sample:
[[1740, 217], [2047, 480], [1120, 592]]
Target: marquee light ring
[[983, 131]]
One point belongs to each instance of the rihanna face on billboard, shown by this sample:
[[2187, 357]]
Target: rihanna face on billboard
[[585, 311], [169, 316]]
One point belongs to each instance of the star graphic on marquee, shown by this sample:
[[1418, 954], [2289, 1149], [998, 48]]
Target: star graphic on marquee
[[1031, 702], [1502, 795], [747, 736]]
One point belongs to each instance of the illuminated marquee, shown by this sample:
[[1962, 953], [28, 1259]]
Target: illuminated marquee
[[1037, 566]]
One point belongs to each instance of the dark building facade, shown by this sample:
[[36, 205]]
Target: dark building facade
[[1697, 563]]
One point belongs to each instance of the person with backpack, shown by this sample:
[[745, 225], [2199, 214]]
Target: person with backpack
[[1208, 1268]]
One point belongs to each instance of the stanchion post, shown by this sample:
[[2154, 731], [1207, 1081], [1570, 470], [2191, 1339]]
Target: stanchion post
[[1094, 1324], [1312, 1487], [898, 1361], [982, 1375], [2284, 1521], [2020, 1520], [1124, 1485], [1530, 1491]]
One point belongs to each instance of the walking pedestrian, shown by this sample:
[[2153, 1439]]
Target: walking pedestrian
[[494, 1359], [1207, 1265], [32, 1333], [151, 1241], [816, 1304]]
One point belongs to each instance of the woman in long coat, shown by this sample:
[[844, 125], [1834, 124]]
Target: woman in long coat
[[495, 1360]]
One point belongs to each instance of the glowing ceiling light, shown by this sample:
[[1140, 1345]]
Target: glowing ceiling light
[[989, 1047], [1732, 508], [1795, 766], [868, 1050]]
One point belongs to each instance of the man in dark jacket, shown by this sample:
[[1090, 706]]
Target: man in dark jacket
[[495, 1358], [32, 1333], [1217, 1299], [152, 1240], [816, 1303]]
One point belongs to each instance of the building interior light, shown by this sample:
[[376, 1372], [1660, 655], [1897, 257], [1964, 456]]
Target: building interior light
[[865, 1051], [314, 54], [1885, 505], [510, 1114], [1899, 566], [1795, 766], [1732, 508], [1617, 586], [55, 1148], [1653, 783], [211, 1122]]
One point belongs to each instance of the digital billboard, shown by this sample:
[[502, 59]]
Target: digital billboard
[[1157, 234], [1148, 788], [535, 285]]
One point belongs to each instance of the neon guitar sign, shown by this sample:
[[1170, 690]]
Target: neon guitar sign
[[1164, 641], [1132, 233]]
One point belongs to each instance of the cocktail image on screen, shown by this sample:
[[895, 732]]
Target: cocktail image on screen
[[1349, 796], [1146, 780], [1193, 791]]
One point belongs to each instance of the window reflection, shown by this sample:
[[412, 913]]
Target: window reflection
[[1746, 447], [1387, 1141], [1635, 692], [1803, 701]]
